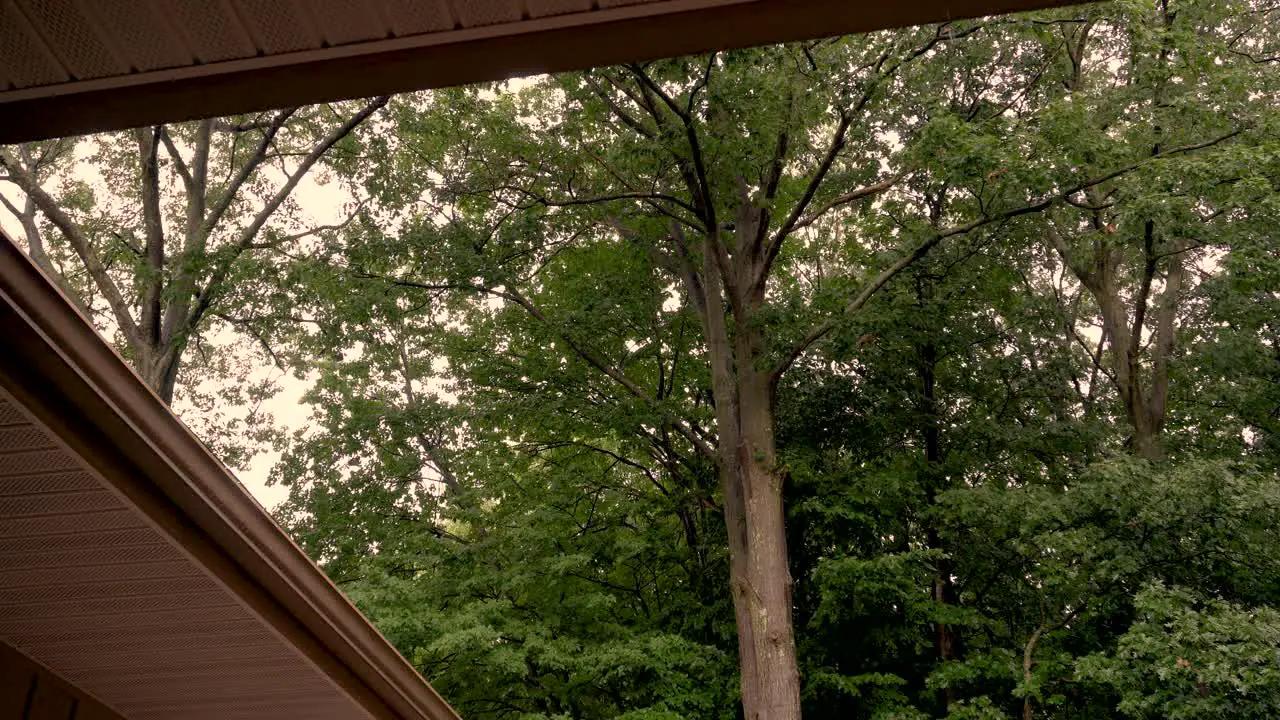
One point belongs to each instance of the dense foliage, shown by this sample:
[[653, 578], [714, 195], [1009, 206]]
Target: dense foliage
[[1032, 476], [1014, 286]]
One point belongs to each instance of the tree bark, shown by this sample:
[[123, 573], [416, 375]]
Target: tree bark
[[1145, 399], [946, 640], [769, 575], [752, 482], [759, 567]]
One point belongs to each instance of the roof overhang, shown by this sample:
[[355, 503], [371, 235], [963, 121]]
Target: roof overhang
[[69, 67], [134, 566]]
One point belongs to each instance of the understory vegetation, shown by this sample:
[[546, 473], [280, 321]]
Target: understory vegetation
[[927, 373]]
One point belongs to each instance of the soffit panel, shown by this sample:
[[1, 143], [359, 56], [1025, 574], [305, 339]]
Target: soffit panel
[[92, 591], [173, 586], [341, 22], [211, 30], [279, 26], [69, 35], [25, 61], [406, 18], [142, 33]]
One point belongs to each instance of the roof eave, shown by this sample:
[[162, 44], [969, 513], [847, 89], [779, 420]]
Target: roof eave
[[553, 44], [77, 386]]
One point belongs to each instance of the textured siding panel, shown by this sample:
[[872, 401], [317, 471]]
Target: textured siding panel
[[141, 33], [47, 42], [45, 483], [20, 461], [416, 17], [73, 38], [73, 574], [276, 26], [24, 56], [28, 691], [120, 611], [44, 530], [347, 21], [18, 545], [92, 590], [18, 506], [211, 30], [10, 415], [24, 437], [543, 8], [476, 13], [144, 623]]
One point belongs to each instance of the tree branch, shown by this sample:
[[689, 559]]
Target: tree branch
[[849, 197], [35, 248], [79, 242], [589, 356], [213, 286], [187, 180], [627, 118], [246, 170], [820, 174], [888, 274]]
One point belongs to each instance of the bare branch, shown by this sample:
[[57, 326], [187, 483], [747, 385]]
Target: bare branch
[[849, 197], [627, 118], [820, 174], [285, 239], [35, 248], [431, 449], [187, 181], [571, 201]]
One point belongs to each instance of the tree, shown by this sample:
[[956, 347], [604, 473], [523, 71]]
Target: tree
[[715, 229], [880, 300], [1174, 96], [161, 240]]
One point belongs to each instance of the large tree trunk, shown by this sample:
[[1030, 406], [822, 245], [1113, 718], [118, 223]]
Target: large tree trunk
[[769, 574], [1124, 320], [758, 568], [752, 484], [158, 367], [1145, 399], [1126, 363], [946, 639]]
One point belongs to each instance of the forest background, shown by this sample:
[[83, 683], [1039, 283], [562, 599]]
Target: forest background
[[925, 373]]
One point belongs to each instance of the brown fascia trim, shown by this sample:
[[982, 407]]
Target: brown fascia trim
[[560, 43], [56, 365]]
